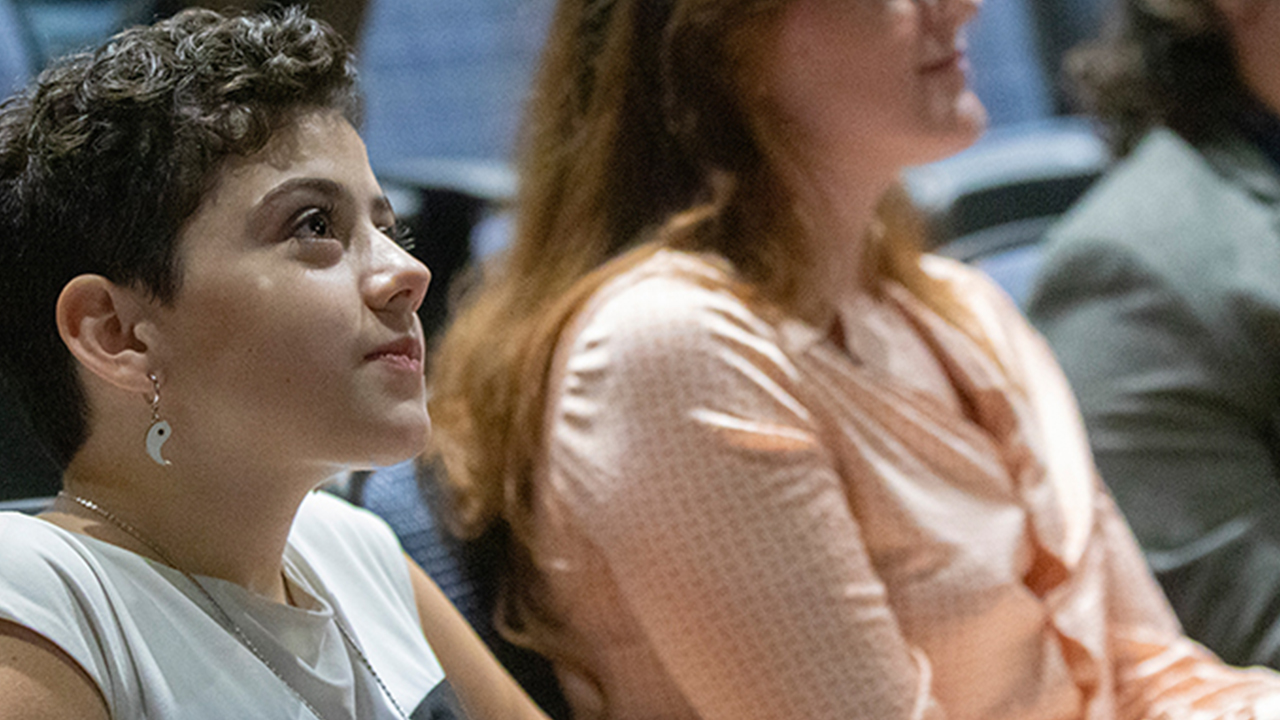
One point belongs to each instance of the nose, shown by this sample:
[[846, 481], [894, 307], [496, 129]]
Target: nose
[[397, 282]]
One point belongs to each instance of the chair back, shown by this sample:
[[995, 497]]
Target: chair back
[[991, 204], [16, 62], [29, 506], [1008, 75]]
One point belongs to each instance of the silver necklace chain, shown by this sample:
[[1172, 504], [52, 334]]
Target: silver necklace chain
[[225, 618]]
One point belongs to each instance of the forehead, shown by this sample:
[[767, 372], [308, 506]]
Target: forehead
[[322, 146], [323, 138]]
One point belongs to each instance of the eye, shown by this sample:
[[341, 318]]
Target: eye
[[314, 236], [314, 223]]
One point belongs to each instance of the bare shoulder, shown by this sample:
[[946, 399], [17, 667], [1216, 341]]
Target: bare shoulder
[[41, 681]]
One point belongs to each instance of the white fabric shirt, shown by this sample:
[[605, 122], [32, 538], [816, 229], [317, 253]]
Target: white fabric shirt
[[149, 640]]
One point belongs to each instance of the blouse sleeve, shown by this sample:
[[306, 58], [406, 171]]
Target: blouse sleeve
[[680, 442], [1160, 673]]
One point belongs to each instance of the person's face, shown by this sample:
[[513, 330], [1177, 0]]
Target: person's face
[[877, 81], [294, 334]]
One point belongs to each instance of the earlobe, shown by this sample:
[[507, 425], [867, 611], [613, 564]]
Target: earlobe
[[99, 322]]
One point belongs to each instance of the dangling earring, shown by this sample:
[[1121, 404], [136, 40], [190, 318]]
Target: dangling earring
[[159, 432]]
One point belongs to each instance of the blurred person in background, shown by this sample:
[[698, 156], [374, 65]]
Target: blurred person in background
[[1160, 294], [753, 454]]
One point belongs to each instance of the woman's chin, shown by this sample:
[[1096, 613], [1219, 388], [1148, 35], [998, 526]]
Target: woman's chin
[[952, 129], [971, 117]]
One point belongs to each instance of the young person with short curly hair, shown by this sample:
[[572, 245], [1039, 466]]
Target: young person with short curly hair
[[208, 314]]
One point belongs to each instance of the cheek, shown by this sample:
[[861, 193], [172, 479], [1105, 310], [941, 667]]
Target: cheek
[[267, 328], [839, 64]]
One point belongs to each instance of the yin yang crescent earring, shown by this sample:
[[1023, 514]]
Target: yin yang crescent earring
[[160, 431]]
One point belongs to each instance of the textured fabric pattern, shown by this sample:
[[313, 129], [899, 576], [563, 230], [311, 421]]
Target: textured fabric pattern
[[739, 516]]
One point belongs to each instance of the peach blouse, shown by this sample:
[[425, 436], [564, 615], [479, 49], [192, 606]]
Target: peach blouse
[[738, 518]]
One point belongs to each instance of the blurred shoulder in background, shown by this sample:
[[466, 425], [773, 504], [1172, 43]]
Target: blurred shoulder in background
[[1160, 293]]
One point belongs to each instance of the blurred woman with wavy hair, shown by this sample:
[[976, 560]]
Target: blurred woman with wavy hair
[[754, 454]]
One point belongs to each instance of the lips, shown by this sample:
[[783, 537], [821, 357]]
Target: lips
[[404, 353], [951, 60]]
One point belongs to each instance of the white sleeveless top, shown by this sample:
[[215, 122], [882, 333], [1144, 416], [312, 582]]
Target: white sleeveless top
[[156, 649]]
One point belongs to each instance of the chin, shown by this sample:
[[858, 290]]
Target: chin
[[408, 441], [389, 443], [971, 116], [952, 131]]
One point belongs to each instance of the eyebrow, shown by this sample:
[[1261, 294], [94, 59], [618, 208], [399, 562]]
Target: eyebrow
[[320, 185]]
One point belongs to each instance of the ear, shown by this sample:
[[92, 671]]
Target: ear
[[100, 322]]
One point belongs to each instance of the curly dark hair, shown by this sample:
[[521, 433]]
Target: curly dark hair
[[1160, 62], [107, 154]]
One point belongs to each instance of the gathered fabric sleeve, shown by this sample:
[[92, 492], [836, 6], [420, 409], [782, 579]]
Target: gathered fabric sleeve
[[1156, 671], [680, 440], [50, 585]]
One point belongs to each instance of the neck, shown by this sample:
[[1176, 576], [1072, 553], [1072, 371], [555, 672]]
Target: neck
[[228, 522], [837, 205]]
